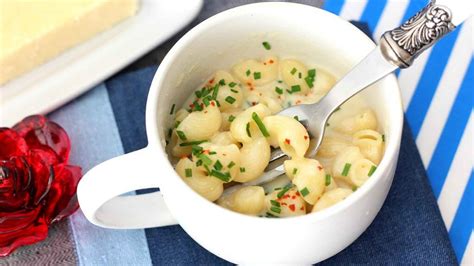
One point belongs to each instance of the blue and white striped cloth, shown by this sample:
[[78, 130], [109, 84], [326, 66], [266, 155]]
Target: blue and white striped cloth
[[438, 98]]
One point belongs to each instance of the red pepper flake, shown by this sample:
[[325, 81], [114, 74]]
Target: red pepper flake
[[306, 137], [306, 94], [251, 88], [279, 97], [191, 106], [213, 103], [320, 167], [202, 105], [205, 112], [298, 102], [270, 61], [254, 103], [249, 84], [292, 207], [287, 141], [302, 208], [297, 193], [206, 151], [286, 196], [265, 63], [211, 81], [283, 204]]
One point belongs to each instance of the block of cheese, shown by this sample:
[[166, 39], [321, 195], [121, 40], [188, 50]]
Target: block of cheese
[[31, 32]]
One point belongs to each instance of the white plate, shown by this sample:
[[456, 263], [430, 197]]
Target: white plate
[[80, 68]]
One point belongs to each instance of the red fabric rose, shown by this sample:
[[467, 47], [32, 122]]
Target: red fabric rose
[[37, 186]]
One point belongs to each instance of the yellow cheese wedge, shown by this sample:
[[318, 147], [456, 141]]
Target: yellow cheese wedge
[[33, 31]]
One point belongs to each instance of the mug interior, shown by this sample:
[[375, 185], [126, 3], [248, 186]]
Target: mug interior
[[316, 37]]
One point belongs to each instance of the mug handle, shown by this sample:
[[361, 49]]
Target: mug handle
[[100, 193]]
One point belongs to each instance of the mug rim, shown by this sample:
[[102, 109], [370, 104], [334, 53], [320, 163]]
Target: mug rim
[[392, 145]]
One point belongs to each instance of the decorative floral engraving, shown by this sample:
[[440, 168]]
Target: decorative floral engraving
[[428, 25]]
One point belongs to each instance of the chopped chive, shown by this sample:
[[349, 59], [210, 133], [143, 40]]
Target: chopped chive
[[224, 177], [337, 109], [309, 81], [172, 108], [257, 75], [170, 131], [212, 152], [230, 99], [191, 143], [199, 163], [231, 164], [189, 172], [372, 170], [304, 192], [218, 104], [207, 169], [277, 188], [218, 165], [269, 215], [181, 135], [283, 191], [295, 170], [293, 71], [206, 160], [260, 124], [296, 118], [196, 150], [234, 91], [197, 106], [327, 124], [242, 169], [275, 203], [312, 73], [295, 88], [231, 118], [354, 188], [278, 90], [299, 75], [232, 84], [248, 72], [275, 209], [206, 101], [247, 128], [328, 179], [280, 81], [346, 169], [266, 45], [215, 92], [222, 82], [383, 137], [198, 94]]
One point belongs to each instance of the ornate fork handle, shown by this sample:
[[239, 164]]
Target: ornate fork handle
[[402, 45]]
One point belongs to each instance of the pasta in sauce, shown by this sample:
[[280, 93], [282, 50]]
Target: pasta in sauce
[[224, 133]]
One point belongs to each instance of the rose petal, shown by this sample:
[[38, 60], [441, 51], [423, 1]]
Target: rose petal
[[42, 176], [21, 228], [62, 200], [12, 144], [15, 183], [39, 132]]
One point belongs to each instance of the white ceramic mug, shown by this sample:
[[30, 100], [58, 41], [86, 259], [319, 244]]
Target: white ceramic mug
[[302, 32]]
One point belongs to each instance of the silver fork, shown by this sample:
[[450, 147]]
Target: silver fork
[[397, 49]]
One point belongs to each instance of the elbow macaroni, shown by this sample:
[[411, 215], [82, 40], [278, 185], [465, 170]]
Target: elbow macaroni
[[224, 133]]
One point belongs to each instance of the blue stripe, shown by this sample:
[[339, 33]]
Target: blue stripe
[[372, 13], [90, 122], [333, 6], [413, 7], [452, 132], [429, 80], [462, 226]]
